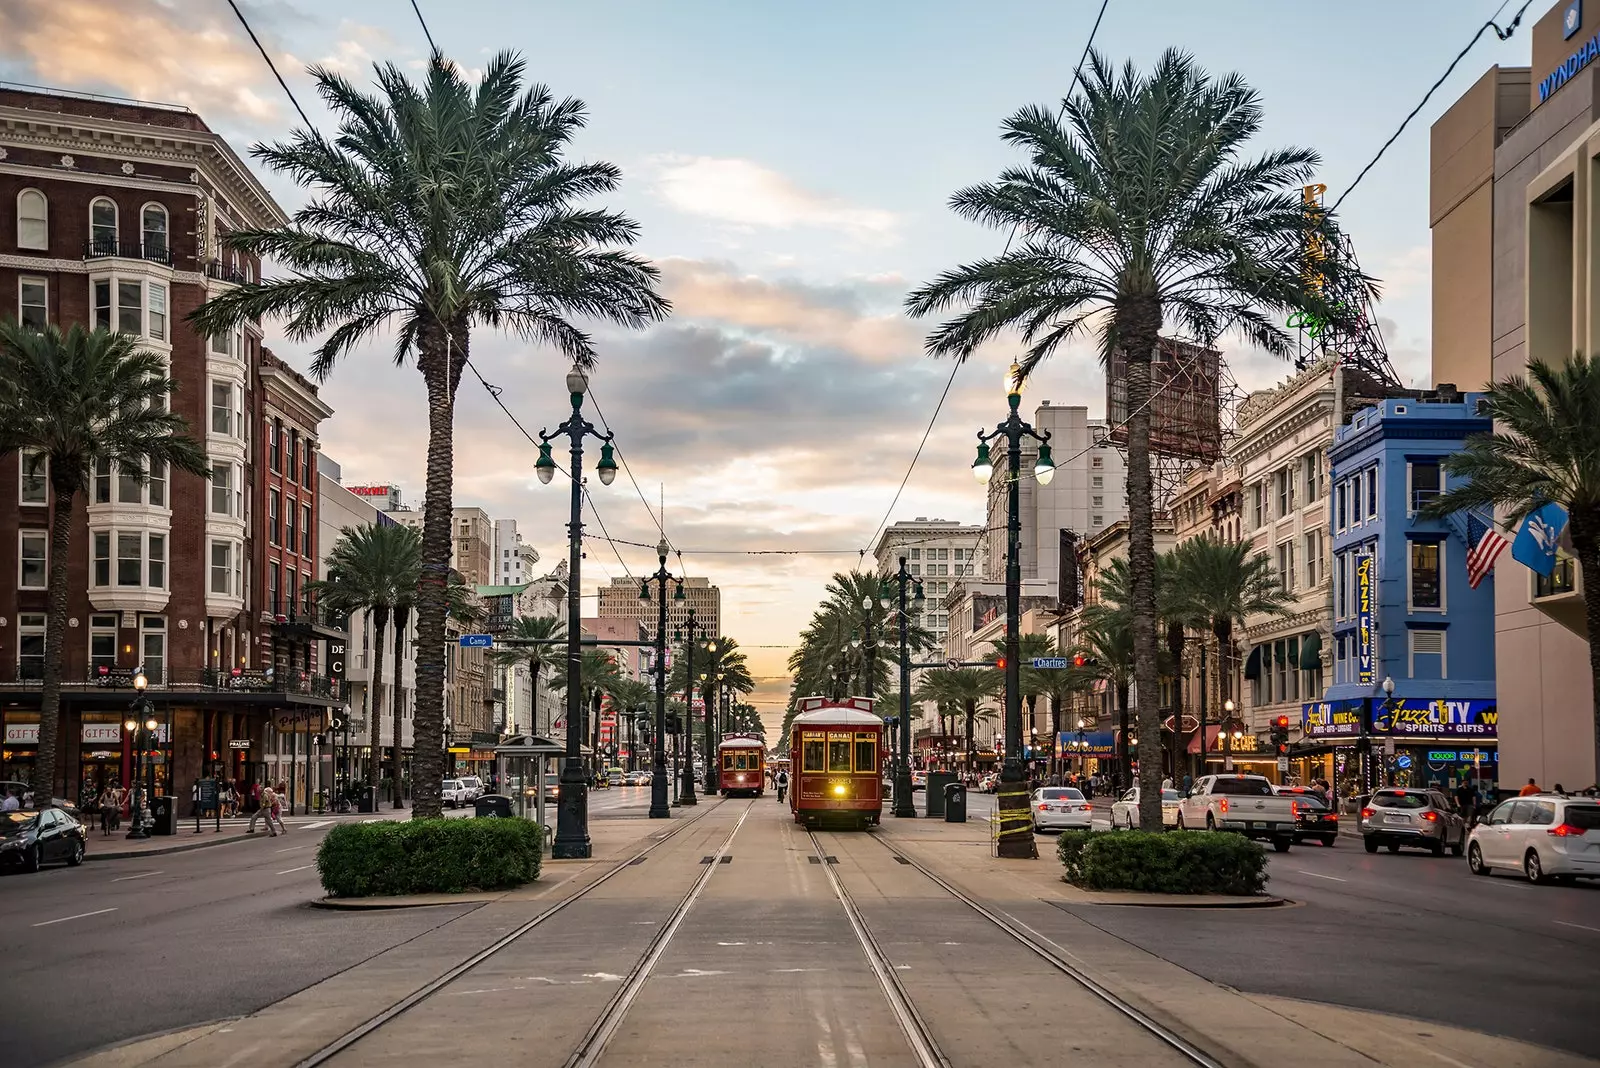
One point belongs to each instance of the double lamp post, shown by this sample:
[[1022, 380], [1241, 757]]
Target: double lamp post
[[141, 726]]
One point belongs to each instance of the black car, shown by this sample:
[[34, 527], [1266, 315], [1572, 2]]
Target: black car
[[29, 839], [1316, 821]]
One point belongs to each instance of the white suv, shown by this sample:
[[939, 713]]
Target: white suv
[[1547, 836], [455, 793], [474, 787]]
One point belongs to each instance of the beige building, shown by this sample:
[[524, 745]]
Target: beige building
[[472, 542], [1516, 265], [939, 552], [620, 600]]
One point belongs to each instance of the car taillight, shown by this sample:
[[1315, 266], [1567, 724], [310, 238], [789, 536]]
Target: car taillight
[[1294, 809], [1330, 816], [1566, 830], [1431, 817], [1044, 808], [1368, 813], [1222, 805]]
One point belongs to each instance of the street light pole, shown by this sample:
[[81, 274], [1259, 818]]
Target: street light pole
[[686, 789], [660, 807], [712, 759], [572, 813], [141, 726], [904, 805], [1016, 829]]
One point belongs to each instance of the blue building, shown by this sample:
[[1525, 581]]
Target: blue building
[[1403, 610]]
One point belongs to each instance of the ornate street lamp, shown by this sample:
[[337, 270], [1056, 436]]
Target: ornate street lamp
[[572, 812], [686, 789], [141, 727], [660, 806], [1016, 828], [904, 805]]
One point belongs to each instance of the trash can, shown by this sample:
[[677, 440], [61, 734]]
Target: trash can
[[955, 803], [366, 799], [937, 781], [492, 805], [165, 816]]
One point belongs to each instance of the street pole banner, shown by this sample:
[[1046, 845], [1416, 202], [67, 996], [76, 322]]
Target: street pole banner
[[1366, 668]]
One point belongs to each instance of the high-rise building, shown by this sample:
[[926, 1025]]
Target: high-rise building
[[471, 541], [620, 600], [514, 559], [939, 552]]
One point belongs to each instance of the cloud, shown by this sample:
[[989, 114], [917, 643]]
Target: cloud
[[147, 49], [1407, 273], [746, 194]]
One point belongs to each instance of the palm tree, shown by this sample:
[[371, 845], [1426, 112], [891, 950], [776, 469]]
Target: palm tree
[[598, 675], [370, 569], [1031, 680], [440, 207], [82, 398], [1105, 641], [1135, 213], [1547, 449], [966, 689], [463, 609], [631, 697], [537, 657]]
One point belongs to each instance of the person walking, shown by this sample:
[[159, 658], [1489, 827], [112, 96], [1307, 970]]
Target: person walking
[[266, 807], [1531, 788], [783, 785]]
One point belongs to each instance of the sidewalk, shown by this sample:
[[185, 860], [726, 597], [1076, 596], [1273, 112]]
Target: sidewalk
[[118, 846]]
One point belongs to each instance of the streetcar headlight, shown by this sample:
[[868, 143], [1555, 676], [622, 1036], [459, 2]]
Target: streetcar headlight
[[839, 790]]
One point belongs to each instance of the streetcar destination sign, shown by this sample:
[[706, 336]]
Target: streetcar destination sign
[[1049, 662]]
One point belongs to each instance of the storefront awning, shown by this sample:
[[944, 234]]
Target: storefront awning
[[1311, 651], [1252, 664]]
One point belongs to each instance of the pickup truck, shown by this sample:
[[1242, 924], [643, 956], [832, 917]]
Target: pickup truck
[[1241, 803]]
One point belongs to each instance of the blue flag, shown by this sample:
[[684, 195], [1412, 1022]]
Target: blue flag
[[1536, 541]]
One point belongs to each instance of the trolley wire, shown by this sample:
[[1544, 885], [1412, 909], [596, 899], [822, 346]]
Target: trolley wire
[[273, 67]]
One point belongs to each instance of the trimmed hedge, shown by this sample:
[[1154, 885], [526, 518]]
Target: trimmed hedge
[[1170, 862], [429, 856]]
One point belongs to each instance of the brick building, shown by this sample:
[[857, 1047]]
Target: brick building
[[110, 213]]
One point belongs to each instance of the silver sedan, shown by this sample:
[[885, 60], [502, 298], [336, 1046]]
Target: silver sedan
[[1125, 809], [1060, 808]]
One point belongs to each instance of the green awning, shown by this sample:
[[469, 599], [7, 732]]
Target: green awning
[[1311, 651], [1252, 664]]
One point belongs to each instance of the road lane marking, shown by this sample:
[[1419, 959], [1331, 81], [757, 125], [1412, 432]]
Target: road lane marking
[[79, 916], [1316, 875], [288, 849], [314, 826], [291, 871], [1579, 926], [141, 875]]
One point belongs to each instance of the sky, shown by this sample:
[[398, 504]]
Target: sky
[[789, 166]]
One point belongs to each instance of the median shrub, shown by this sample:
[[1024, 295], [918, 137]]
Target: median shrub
[[1170, 862], [429, 856]]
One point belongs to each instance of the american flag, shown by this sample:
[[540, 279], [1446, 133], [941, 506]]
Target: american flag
[[1487, 545]]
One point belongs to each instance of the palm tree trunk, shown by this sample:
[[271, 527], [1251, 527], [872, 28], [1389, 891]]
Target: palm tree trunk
[[1055, 734], [402, 617], [380, 620], [1139, 325], [972, 718], [1587, 547], [441, 371], [55, 636], [1124, 760], [1175, 649]]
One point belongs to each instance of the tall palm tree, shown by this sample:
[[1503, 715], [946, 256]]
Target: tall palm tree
[[80, 398], [1136, 212], [537, 657], [1032, 680], [463, 609], [1105, 641], [370, 569], [598, 675], [1546, 449], [967, 689], [439, 207]]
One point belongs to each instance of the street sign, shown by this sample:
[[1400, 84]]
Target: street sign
[[1283, 763], [477, 641], [953, 662], [1054, 663]]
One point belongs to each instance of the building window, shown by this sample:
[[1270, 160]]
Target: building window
[[1313, 557], [130, 307], [1097, 482], [30, 646], [103, 226], [33, 554], [1313, 475], [33, 220], [1427, 654], [1422, 484], [1097, 501], [102, 482], [274, 457], [152, 492], [1286, 564], [272, 516], [222, 408], [289, 596], [307, 460], [915, 569], [1097, 461], [916, 554], [33, 302], [1285, 479], [1372, 493], [305, 592], [1342, 506], [130, 559], [102, 304], [1258, 505], [222, 568], [305, 531], [272, 586], [102, 558], [222, 489], [153, 221], [1341, 593], [1097, 521], [1561, 580], [34, 485], [158, 561], [289, 511], [156, 486], [291, 466], [102, 643], [156, 301], [1426, 591], [153, 631]]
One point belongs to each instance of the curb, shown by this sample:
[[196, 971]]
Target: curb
[[183, 847], [374, 904], [1156, 901]]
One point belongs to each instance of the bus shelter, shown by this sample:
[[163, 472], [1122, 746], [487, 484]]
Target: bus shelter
[[528, 766]]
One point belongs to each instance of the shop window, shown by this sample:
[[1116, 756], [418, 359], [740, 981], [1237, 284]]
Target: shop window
[[1427, 591], [30, 645], [34, 470], [33, 302], [153, 637], [33, 559], [102, 643]]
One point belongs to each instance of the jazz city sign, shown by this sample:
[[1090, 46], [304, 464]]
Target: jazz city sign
[[1437, 719]]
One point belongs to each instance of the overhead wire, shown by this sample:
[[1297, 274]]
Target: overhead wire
[[273, 67]]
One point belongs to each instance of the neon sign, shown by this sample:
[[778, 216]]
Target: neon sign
[[1311, 323]]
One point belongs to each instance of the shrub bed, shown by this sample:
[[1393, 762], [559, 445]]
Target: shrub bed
[[429, 856], [1171, 862]]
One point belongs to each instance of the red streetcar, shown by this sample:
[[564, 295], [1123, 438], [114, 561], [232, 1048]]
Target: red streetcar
[[742, 761], [836, 762]]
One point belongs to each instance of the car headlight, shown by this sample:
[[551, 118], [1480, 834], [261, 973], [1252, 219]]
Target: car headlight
[[13, 843]]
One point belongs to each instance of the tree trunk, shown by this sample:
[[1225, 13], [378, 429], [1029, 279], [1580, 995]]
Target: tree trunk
[[441, 373], [1586, 544], [1055, 734], [402, 617], [1138, 324], [1175, 649], [380, 620], [1124, 760], [972, 718], [55, 636]]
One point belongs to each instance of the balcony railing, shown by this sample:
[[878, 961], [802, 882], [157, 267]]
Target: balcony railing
[[224, 273], [207, 680], [154, 251], [282, 613]]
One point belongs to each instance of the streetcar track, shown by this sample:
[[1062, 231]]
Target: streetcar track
[[598, 1036], [422, 993], [1007, 924], [917, 1032]]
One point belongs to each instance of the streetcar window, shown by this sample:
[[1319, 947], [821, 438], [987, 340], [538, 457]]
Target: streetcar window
[[741, 761], [813, 755], [867, 755], [727, 761], [838, 755]]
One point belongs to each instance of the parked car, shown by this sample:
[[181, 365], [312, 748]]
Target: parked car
[[29, 839], [455, 794], [1548, 836], [919, 780], [1398, 816], [1058, 808], [1316, 822], [1241, 803], [24, 793], [1125, 809], [989, 783], [474, 787]]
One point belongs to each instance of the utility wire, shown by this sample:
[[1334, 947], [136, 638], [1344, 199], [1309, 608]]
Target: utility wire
[[431, 46], [270, 65]]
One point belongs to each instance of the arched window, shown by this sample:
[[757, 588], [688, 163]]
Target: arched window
[[103, 226], [153, 224], [33, 220]]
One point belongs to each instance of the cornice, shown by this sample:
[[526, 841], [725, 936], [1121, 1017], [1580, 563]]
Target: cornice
[[125, 266], [149, 183], [1287, 626]]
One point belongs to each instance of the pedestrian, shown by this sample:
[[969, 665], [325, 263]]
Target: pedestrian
[[1467, 800], [110, 809], [1562, 790], [783, 785], [277, 807], [1531, 788], [1166, 783], [266, 802], [12, 801]]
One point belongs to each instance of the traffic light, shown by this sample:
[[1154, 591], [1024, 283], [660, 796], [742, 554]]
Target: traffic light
[[1000, 663], [1280, 735]]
